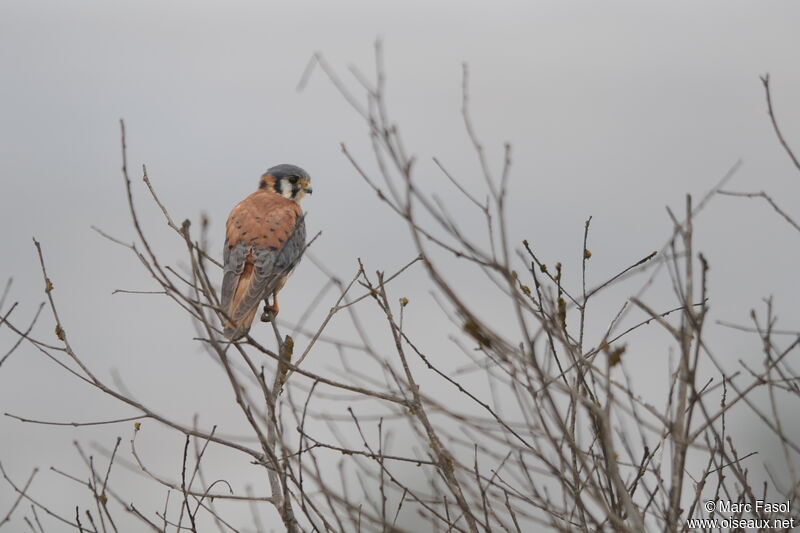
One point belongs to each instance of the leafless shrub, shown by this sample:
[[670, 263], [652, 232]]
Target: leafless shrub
[[565, 439]]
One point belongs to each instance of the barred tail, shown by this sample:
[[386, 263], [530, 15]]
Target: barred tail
[[240, 321], [237, 329]]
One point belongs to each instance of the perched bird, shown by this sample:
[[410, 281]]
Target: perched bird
[[265, 237]]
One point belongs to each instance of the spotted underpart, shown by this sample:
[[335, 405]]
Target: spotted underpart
[[265, 239]]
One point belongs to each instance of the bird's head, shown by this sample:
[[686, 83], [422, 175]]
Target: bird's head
[[289, 181]]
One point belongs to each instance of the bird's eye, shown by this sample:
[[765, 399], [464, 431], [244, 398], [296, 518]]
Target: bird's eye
[[293, 179]]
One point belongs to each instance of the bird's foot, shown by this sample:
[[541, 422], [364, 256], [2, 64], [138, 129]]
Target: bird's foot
[[269, 313]]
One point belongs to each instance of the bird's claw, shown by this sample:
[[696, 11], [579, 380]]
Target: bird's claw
[[268, 314]]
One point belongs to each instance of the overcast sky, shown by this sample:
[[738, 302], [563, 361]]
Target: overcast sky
[[614, 109]]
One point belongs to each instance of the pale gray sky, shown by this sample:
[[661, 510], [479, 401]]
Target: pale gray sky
[[614, 109]]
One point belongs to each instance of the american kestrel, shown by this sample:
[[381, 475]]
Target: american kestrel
[[265, 237]]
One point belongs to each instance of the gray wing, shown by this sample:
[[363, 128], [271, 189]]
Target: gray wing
[[269, 268], [292, 251], [234, 259]]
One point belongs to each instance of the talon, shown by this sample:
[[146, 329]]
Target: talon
[[268, 314]]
